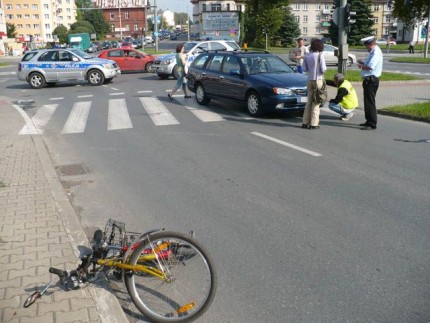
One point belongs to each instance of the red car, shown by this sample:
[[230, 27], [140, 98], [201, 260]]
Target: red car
[[129, 60]]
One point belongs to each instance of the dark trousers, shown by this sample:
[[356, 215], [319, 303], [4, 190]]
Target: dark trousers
[[411, 49], [370, 87]]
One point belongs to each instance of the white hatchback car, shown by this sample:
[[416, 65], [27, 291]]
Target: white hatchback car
[[331, 58], [166, 66]]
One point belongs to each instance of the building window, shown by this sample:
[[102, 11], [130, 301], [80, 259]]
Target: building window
[[318, 6], [228, 7], [239, 7], [318, 31], [69, 17], [387, 19], [9, 7], [48, 36], [67, 1], [204, 7], [27, 16], [25, 6], [305, 7], [112, 15], [19, 26], [136, 27], [35, 16], [112, 28], [46, 16], [376, 7], [28, 26], [47, 26], [17, 6], [34, 6], [305, 30], [68, 10], [127, 27], [46, 6], [36, 26], [318, 18], [296, 6], [305, 18], [9, 16], [375, 20], [127, 15], [327, 6], [216, 7], [297, 19], [19, 16]]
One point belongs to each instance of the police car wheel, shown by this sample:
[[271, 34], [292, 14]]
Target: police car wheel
[[95, 77], [36, 80]]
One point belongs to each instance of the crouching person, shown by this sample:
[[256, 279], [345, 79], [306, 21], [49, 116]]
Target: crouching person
[[346, 100]]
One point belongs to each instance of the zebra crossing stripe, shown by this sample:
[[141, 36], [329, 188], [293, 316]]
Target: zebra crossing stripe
[[42, 116], [204, 114], [77, 119], [157, 111], [118, 117]]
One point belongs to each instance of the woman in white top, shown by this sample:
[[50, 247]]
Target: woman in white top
[[311, 115]]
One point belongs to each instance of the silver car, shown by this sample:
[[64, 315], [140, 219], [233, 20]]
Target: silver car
[[49, 66], [166, 66]]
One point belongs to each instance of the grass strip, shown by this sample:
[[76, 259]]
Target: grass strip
[[355, 76], [417, 60], [416, 111]]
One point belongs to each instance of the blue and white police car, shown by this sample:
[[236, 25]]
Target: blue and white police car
[[49, 66]]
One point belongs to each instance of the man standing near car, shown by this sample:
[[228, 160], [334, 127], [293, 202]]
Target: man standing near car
[[301, 50], [371, 70]]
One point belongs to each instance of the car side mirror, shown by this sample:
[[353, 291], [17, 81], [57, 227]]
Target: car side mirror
[[294, 68]]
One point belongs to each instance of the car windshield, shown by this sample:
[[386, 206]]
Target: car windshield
[[81, 54], [189, 46], [265, 64]]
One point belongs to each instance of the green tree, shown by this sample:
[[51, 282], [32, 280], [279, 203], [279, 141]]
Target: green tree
[[411, 11], [82, 26], [290, 29], [263, 16], [363, 26], [61, 32], [11, 30], [87, 12]]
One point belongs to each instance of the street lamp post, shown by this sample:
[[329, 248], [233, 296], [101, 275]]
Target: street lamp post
[[120, 21]]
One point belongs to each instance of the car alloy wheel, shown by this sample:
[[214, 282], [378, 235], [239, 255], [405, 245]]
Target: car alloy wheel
[[37, 81], [201, 95], [95, 77], [254, 104]]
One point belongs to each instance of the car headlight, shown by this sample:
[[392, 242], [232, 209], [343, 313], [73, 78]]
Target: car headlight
[[282, 91], [108, 66]]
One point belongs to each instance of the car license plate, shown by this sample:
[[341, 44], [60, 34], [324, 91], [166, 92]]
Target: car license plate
[[302, 99]]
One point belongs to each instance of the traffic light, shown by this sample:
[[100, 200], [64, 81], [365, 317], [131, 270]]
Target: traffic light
[[349, 16]]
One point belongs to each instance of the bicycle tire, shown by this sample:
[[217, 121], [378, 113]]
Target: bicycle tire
[[193, 279]]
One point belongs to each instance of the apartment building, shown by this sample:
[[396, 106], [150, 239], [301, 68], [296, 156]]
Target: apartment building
[[35, 20]]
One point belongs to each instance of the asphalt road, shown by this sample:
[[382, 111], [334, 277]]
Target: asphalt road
[[326, 225]]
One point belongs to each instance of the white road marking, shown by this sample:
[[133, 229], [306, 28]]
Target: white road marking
[[205, 114], [85, 96], [157, 111], [118, 117], [3, 80], [29, 128], [7, 73], [77, 119], [142, 92], [42, 116], [284, 143], [55, 99], [118, 93]]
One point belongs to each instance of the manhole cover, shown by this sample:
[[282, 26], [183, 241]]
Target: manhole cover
[[70, 170]]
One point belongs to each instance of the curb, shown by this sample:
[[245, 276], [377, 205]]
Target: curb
[[401, 116], [107, 305]]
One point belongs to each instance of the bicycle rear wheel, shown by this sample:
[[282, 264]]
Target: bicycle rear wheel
[[187, 279]]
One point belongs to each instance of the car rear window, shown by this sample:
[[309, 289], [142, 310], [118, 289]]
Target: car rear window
[[233, 45], [28, 56]]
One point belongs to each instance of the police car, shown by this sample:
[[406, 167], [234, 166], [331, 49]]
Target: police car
[[49, 66]]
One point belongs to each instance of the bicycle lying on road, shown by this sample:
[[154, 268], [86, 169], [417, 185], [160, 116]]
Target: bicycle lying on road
[[168, 275]]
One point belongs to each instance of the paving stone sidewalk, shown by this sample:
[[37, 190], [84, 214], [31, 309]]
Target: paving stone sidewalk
[[39, 229]]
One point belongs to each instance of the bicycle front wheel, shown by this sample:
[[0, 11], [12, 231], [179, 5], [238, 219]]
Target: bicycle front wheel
[[174, 279]]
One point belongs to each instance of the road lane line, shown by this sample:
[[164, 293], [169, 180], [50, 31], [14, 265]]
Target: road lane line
[[157, 111], [284, 143], [118, 93], [118, 117], [140, 92], [77, 119], [85, 96], [55, 99], [204, 114]]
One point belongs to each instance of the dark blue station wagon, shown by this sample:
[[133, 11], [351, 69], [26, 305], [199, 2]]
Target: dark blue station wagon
[[261, 80]]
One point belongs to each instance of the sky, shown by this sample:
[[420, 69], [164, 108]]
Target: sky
[[173, 5]]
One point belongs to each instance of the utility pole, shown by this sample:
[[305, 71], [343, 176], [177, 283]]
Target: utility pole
[[155, 33], [426, 46], [342, 38]]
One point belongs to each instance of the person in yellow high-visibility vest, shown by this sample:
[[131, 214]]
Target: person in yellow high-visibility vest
[[346, 100]]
